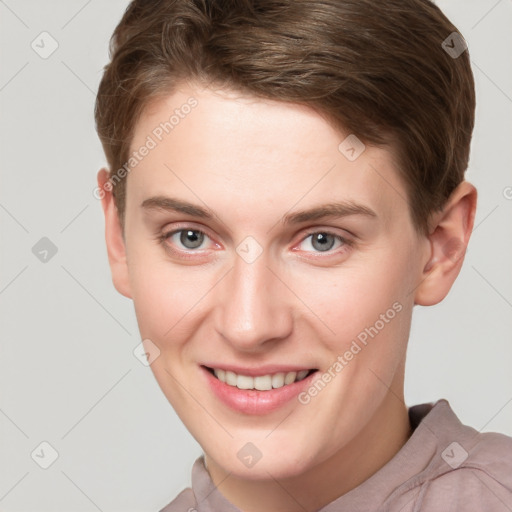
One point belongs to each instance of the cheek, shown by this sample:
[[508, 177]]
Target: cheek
[[163, 295], [348, 300]]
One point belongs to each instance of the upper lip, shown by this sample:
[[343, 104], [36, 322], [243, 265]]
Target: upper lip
[[259, 370]]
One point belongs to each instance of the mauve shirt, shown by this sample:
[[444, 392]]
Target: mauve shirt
[[444, 466]]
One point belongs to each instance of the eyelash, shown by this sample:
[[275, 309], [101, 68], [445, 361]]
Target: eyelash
[[188, 254]]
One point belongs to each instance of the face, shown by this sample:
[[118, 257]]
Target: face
[[261, 253]]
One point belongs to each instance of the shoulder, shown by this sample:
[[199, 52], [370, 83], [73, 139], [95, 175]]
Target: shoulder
[[493, 453], [475, 475], [463, 469], [184, 502]]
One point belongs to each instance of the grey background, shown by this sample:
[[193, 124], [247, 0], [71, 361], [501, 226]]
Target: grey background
[[68, 375]]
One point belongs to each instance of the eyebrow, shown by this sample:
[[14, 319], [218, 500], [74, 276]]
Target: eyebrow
[[176, 205], [337, 209]]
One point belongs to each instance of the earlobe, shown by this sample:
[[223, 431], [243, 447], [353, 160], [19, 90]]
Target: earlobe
[[116, 248], [449, 236]]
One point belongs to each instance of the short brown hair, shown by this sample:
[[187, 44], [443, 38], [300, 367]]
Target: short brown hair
[[376, 69]]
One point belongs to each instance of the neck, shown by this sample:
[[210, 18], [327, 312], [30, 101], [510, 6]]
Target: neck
[[371, 449]]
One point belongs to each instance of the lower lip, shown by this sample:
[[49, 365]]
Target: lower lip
[[252, 401]]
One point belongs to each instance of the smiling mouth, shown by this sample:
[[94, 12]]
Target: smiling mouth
[[261, 382]]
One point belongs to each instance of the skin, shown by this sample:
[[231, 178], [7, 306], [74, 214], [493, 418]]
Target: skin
[[251, 162]]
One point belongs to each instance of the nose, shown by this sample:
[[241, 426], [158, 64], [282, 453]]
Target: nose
[[254, 307]]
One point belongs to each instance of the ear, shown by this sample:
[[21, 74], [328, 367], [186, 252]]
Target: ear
[[114, 236], [449, 235]]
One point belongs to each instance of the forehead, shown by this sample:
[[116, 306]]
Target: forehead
[[255, 154]]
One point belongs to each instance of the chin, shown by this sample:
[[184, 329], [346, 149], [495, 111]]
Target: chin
[[269, 460]]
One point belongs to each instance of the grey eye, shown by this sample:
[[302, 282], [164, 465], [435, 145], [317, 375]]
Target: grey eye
[[322, 241], [191, 238]]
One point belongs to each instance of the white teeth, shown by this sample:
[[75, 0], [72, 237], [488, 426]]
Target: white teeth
[[231, 378], [262, 382], [290, 377], [244, 382], [220, 374], [278, 380]]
